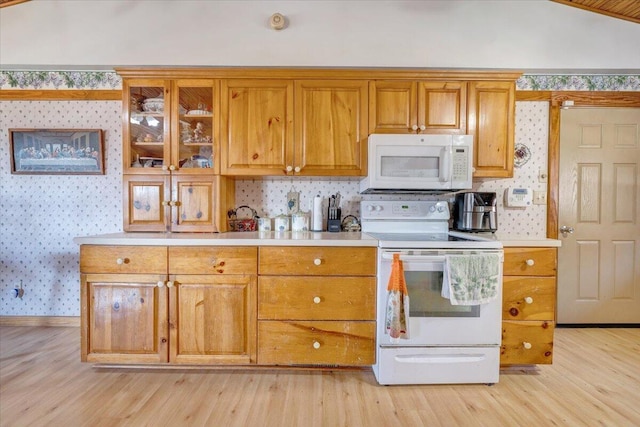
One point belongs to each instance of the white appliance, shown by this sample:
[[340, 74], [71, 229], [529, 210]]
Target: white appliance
[[418, 163], [447, 343]]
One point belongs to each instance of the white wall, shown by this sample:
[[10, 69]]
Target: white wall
[[518, 34]]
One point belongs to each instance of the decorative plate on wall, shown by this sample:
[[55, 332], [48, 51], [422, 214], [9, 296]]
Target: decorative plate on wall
[[522, 155]]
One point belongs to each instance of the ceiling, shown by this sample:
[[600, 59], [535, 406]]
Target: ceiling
[[628, 10], [623, 9]]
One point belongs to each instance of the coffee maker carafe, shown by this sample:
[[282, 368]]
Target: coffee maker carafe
[[476, 212]]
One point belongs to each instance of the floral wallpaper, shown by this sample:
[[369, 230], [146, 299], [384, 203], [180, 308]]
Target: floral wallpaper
[[59, 80], [579, 82], [111, 80]]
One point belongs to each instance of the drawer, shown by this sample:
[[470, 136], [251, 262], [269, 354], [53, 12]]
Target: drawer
[[528, 298], [212, 260], [530, 261], [123, 259], [526, 342], [312, 261], [316, 343], [317, 298]]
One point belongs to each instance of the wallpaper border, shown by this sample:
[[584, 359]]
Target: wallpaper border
[[111, 80]]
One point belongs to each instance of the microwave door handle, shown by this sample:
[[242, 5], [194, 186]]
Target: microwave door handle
[[445, 165]]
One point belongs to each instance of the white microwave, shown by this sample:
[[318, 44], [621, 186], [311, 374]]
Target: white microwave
[[418, 163]]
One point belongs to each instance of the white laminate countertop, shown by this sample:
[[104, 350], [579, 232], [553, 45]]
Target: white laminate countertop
[[271, 238], [250, 238], [526, 241]]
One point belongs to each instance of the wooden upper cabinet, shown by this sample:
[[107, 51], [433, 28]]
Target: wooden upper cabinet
[[491, 121], [330, 127], [417, 107], [257, 129]]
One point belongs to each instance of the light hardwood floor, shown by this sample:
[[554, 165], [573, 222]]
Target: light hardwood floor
[[594, 380]]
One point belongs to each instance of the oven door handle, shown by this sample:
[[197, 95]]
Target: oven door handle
[[406, 257]]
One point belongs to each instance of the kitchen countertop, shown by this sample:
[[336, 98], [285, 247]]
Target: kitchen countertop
[[249, 238], [524, 241], [271, 238]]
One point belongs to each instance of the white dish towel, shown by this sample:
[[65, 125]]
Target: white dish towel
[[471, 279]]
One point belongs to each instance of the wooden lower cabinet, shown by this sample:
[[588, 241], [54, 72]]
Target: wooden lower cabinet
[[124, 318], [299, 342], [528, 305], [316, 306], [225, 305], [145, 305], [213, 319], [527, 343]]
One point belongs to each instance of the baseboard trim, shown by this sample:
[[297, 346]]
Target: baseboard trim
[[40, 321]]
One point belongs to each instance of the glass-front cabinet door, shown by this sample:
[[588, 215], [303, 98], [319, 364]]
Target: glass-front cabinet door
[[146, 129], [194, 127]]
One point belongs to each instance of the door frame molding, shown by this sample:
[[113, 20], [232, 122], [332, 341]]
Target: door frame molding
[[556, 100]]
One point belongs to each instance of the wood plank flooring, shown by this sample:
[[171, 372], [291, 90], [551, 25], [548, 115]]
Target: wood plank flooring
[[594, 380]]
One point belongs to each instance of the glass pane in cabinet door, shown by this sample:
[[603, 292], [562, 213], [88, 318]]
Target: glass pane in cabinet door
[[146, 127], [196, 127]]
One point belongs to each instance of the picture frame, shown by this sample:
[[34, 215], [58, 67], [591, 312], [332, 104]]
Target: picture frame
[[57, 151]]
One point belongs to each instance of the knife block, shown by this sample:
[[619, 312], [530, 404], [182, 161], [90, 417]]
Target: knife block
[[334, 220]]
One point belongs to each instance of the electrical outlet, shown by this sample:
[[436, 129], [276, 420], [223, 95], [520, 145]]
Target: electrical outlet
[[540, 197]]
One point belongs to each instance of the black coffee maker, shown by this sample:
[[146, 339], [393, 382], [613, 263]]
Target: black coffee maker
[[475, 211]]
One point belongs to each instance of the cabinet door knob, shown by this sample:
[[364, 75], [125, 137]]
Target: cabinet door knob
[[316, 300], [172, 167], [317, 261], [169, 284], [160, 283], [530, 262], [316, 345], [165, 203], [422, 127], [528, 300], [165, 167], [296, 169], [526, 345], [289, 168]]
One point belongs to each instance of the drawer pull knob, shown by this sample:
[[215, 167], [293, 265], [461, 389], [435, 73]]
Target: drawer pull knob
[[121, 261], [530, 262], [526, 345], [317, 261], [160, 283], [316, 345], [528, 300], [316, 300], [169, 284]]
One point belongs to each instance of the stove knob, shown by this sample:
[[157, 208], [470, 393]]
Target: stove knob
[[440, 208], [370, 208], [378, 208], [432, 209]]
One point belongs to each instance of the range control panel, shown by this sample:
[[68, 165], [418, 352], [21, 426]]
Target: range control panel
[[414, 209]]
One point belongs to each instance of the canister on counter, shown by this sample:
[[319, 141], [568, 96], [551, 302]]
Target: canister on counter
[[282, 223], [264, 224], [300, 221]]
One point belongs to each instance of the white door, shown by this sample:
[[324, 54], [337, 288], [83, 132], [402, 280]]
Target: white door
[[599, 263]]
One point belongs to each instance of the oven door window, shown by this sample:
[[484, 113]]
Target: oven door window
[[425, 299]]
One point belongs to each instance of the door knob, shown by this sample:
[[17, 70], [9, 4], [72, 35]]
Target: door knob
[[566, 230]]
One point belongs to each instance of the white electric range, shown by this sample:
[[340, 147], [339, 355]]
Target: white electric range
[[446, 343]]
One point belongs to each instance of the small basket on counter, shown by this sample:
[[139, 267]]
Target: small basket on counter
[[243, 223]]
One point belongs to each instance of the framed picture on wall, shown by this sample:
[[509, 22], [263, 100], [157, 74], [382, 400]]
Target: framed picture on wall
[[57, 151]]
